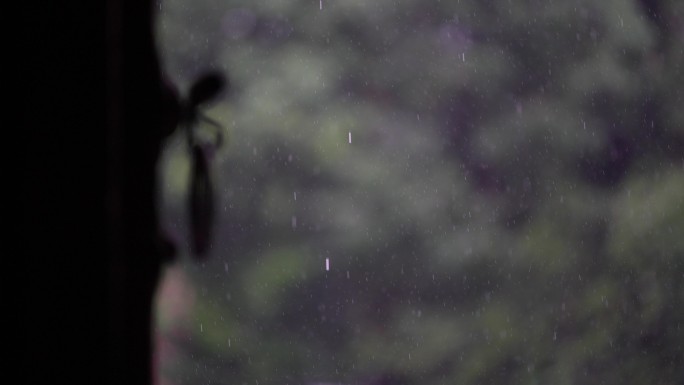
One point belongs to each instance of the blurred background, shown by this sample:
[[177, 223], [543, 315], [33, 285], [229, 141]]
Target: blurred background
[[430, 192]]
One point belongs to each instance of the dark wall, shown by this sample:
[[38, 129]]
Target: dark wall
[[86, 290]]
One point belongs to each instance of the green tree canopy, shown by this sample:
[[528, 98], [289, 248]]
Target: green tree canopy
[[497, 186]]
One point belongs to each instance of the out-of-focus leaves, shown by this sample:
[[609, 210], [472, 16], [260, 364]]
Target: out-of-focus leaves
[[495, 186], [649, 220]]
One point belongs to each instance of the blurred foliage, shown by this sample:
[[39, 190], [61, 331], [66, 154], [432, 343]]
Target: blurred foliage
[[498, 186]]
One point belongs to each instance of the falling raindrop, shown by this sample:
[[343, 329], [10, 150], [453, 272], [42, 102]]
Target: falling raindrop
[[327, 264], [349, 137]]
